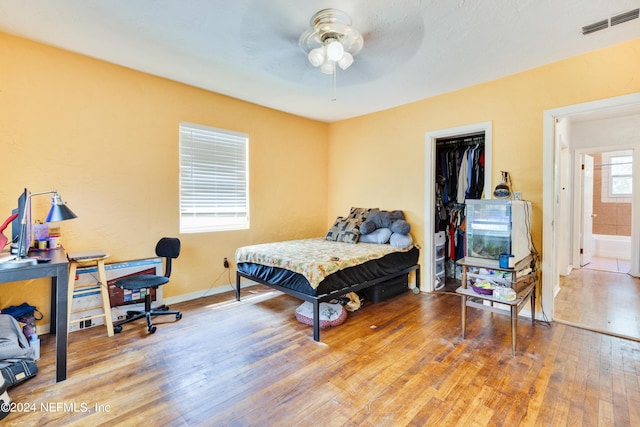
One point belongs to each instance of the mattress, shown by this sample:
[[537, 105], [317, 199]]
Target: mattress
[[310, 272]]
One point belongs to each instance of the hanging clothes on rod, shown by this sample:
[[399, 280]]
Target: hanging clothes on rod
[[457, 228], [462, 168], [476, 173]]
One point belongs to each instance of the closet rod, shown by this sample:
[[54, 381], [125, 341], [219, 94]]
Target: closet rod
[[461, 141]]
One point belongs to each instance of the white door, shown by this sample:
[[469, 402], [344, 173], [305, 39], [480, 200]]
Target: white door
[[586, 229]]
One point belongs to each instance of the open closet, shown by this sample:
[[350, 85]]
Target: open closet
[[459, 176]]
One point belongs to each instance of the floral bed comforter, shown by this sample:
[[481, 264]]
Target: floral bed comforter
[[314, 258]]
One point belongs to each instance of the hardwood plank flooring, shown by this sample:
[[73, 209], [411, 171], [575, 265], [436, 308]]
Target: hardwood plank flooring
[[601, 301], [400, 362]]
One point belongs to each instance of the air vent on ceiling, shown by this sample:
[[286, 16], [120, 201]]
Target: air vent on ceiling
[[615, 20], [596, 26], [624, 17]]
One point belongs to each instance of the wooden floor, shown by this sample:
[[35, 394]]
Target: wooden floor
[[395, 363], [601, 301]]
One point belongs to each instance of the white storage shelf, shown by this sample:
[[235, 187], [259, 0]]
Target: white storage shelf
[[440, 240]]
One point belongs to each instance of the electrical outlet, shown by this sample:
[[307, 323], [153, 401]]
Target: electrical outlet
[[225, 263]]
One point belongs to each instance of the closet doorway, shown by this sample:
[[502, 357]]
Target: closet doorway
[[430, 274]]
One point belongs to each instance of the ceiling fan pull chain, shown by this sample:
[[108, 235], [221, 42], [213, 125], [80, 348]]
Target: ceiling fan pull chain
[[332, 83]]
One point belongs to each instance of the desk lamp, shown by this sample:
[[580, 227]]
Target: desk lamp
[[58, 212]]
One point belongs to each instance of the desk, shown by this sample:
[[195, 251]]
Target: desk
[[57, 270], [524, 284]]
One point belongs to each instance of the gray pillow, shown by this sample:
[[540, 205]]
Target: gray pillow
[[380, 236], [400, 240]]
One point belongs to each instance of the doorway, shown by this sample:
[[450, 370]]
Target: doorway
[[431, 138], [607, 197], [582, 296]]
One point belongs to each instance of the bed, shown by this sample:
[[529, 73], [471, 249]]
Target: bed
[[318, 270]]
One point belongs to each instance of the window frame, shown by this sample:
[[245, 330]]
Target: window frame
[[608, 177], [213, 179], [614, 175]]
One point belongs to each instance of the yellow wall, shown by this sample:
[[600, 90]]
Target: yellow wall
[[389, 146], [106, 137]]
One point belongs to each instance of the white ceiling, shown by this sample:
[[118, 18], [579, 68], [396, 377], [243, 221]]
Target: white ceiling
[[248, 49]]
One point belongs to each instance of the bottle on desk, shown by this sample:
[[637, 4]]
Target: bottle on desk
[[34, 342]]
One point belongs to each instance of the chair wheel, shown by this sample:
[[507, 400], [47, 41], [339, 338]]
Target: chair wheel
[[178, 316], [152, 329], [117, 329]]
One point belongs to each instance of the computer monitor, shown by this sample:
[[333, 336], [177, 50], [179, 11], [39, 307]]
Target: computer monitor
[[16, 224]]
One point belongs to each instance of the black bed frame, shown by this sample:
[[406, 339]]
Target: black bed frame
[[317, 299]]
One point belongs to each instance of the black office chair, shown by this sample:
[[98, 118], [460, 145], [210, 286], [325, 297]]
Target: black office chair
[[168, 248]]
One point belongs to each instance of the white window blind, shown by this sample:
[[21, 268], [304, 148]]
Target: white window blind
[[213, 179]]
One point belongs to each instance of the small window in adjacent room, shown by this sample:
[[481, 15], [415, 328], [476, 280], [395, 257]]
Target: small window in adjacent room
[[617, 175], [620, 176], [214, 184]]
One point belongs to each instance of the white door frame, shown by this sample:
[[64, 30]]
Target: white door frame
[[429, 265], [551, 192]]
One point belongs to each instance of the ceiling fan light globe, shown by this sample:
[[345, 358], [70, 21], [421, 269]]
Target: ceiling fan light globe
[[352, 41], [328, 67], [346, 61], [335, 50], [316, 56]]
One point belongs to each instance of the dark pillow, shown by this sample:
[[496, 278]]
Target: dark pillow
[[344, 230], [367, 227], [400, 226], [384, 219]]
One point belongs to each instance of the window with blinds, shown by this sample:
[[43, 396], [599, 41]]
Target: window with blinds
[[214, 184]]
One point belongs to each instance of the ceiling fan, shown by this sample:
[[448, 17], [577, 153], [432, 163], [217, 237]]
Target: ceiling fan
[[377, 37], [331, 41]]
